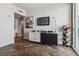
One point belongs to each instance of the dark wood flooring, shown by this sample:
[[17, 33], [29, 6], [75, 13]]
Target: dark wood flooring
[[23, 47]]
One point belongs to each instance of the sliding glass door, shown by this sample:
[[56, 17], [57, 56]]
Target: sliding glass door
[[76, 27], [77, 33]]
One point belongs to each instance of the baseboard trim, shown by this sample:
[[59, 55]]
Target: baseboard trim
[[7, 45], [75, 50]]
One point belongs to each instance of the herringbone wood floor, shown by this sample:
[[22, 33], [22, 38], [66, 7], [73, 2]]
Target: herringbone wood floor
[[22, 47]]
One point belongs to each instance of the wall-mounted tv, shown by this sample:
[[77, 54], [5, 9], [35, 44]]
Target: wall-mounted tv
[[43, 21]]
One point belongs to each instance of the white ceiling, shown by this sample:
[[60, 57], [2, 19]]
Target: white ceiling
[[32, 6]]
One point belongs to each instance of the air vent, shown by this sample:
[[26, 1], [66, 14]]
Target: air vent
[[20, 11]]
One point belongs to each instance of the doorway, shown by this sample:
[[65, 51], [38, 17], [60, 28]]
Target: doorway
[[18, 25]]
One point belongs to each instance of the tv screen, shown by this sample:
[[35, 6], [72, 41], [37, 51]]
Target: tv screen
[[43, 21]]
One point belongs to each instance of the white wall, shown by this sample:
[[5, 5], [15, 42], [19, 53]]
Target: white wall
[[59, 13], [7, 23]]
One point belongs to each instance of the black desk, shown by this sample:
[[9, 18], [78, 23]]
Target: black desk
[[49, 38]]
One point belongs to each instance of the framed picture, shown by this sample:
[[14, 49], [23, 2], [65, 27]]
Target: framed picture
[[29, 22]]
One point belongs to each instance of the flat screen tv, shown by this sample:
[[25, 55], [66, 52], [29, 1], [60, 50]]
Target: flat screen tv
[[43, 21]]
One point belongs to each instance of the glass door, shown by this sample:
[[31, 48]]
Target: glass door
[[76, 28], [77, 32]]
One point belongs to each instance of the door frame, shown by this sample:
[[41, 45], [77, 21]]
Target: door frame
[[15, 13]]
